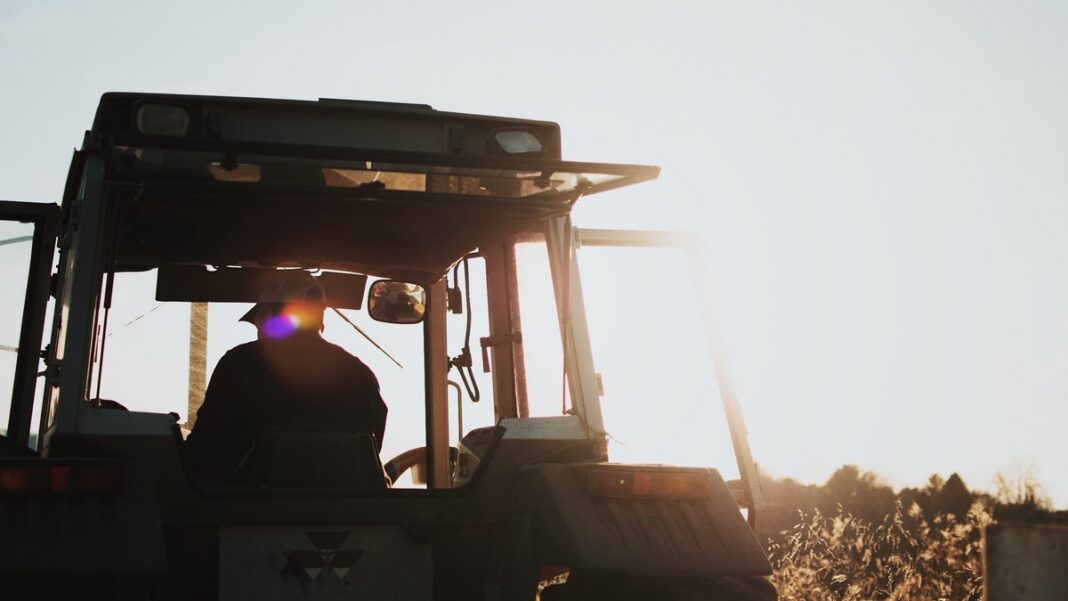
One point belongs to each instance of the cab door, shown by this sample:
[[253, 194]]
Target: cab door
[[27, 247], [655, 275]]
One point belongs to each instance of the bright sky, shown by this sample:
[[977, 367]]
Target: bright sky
[[880, 185]]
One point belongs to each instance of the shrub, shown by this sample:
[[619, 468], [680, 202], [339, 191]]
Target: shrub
[[905, 557]]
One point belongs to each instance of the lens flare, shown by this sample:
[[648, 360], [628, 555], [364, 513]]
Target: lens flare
[[281, 326]]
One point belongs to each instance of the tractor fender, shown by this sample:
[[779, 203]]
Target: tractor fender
[[74, 526], [693, 535]]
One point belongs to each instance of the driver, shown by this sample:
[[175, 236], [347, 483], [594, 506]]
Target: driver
[[289, 376]]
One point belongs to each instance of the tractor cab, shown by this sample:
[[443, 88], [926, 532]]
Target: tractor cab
[[444, 250]]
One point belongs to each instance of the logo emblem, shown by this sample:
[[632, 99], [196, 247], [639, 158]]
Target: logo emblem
[[326, 556]]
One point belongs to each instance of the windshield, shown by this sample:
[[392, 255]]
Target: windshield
[[148, 350], [149, 357]]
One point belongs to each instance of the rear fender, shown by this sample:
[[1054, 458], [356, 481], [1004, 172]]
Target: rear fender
[[688, 536], [60, 532]]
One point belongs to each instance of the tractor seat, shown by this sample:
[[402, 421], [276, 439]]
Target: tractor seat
[[314, 458]]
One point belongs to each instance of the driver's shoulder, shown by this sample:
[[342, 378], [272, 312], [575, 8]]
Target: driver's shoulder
[[242, 351], [339, 353]]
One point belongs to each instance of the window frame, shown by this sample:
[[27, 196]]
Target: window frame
[[45, 220]]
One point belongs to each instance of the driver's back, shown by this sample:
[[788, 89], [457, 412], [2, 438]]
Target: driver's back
[[269, 385]]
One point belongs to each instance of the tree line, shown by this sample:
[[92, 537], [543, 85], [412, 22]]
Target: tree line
[[863, 494], [854, 538]]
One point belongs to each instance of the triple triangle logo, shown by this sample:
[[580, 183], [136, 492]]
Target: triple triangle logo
[[327, 555]]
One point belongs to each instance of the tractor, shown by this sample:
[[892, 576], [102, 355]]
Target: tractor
[[426, 218]]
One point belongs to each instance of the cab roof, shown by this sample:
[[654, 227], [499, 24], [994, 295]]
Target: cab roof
[[390, 189]]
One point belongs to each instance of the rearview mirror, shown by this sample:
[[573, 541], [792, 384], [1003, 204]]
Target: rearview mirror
[[396, 302]]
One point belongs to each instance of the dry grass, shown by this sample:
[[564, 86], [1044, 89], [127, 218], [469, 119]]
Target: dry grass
[[905, 557]]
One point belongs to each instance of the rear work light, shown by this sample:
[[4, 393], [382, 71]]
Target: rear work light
[[76, 479], [649, 483]]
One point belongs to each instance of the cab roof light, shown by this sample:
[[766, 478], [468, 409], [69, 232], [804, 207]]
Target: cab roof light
[[514, 142], [76, 479], [162, 120], [621, 483]]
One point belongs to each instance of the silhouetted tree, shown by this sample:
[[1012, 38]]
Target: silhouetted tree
[[861, 494], [954, 497]]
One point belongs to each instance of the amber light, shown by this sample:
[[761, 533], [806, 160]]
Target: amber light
[[648, 483], [61, 479]]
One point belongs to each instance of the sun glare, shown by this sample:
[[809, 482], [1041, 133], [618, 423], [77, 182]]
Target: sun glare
[[280, 326]]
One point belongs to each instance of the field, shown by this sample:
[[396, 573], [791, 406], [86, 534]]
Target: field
[[843, 557], [855, 538]]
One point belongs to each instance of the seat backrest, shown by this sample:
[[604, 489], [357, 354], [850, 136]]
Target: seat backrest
[[309, 458]]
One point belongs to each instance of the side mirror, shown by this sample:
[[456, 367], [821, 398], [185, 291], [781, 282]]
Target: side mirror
[[396, 302]]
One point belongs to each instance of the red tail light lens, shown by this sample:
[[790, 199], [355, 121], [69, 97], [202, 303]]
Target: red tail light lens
[[50, 478], [649, 483]]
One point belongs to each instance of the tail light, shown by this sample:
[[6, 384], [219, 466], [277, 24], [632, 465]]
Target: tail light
[[661, 484], [71, 478]]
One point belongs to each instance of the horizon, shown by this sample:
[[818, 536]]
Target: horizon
[[1020, 478]]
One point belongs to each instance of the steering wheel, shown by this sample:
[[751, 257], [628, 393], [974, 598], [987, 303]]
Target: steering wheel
[[415, 458]]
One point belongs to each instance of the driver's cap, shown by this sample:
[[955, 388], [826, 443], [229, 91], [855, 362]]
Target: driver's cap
[[300, 288]]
